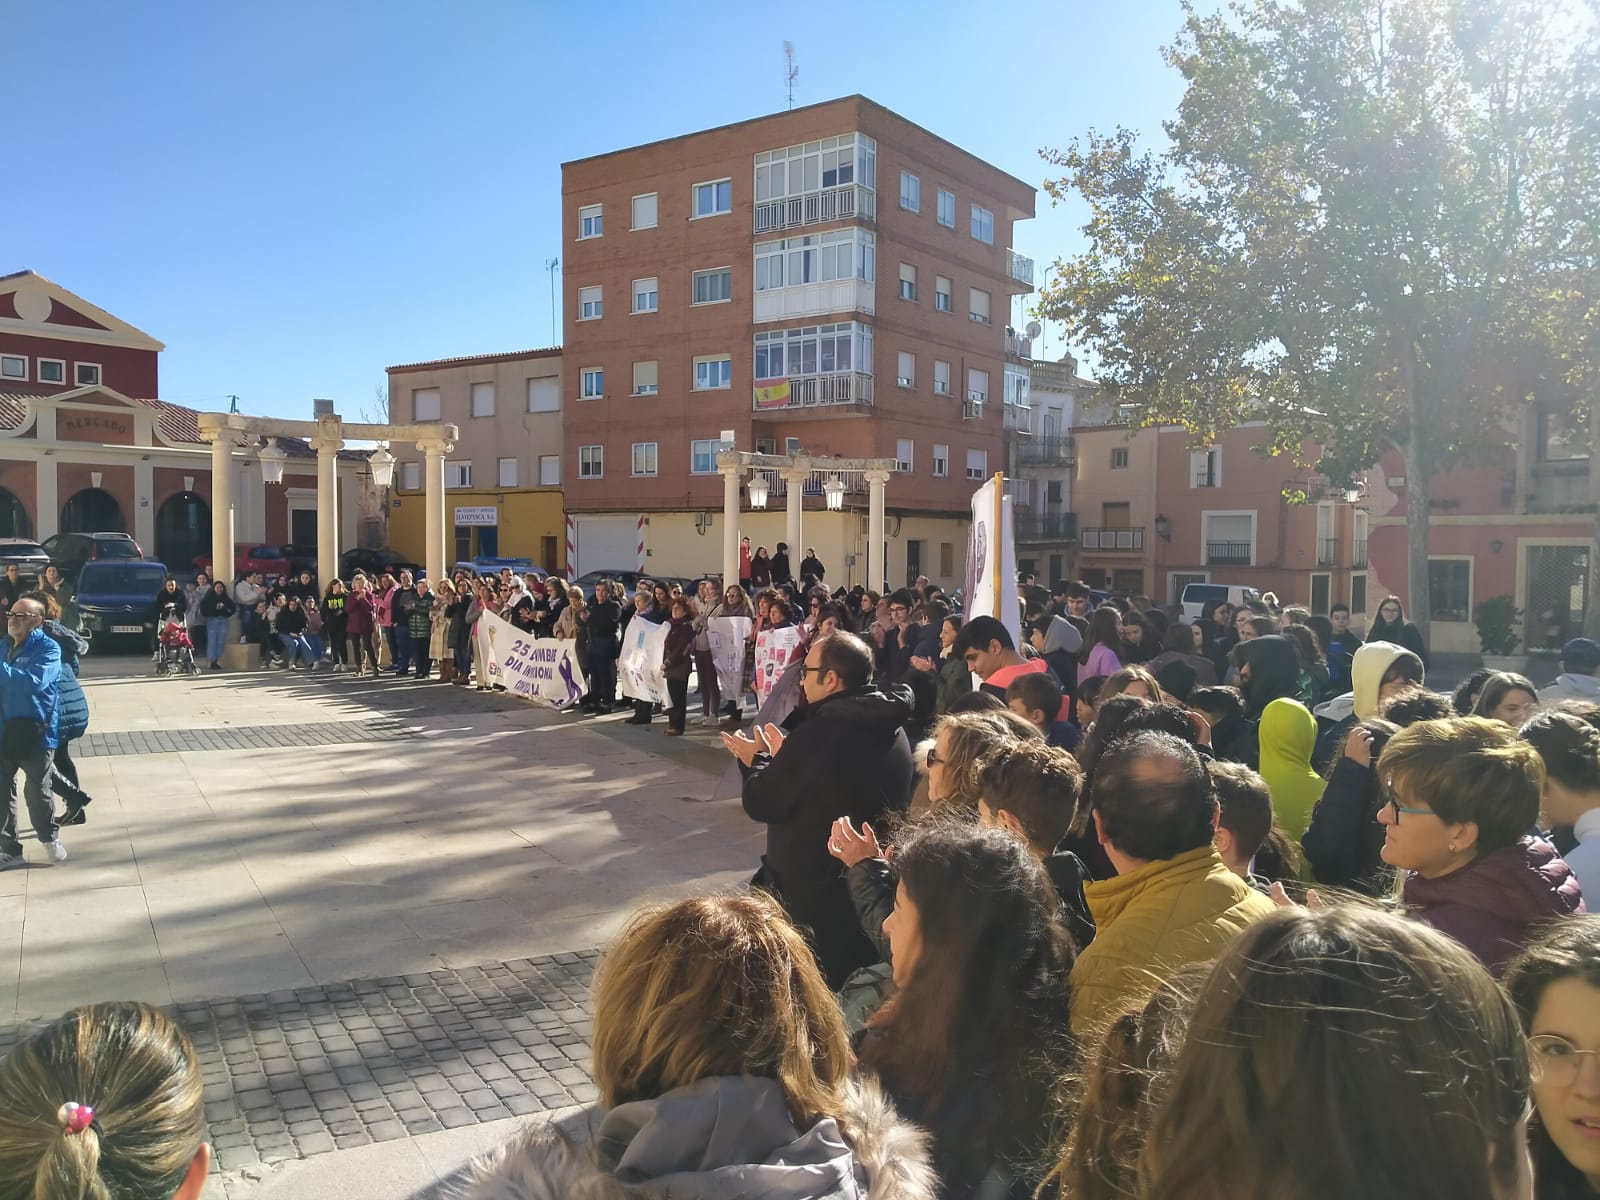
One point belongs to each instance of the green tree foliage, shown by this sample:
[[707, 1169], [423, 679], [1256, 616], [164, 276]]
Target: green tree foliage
[[1366, 212]]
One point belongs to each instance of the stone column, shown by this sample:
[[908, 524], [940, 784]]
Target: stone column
[[877, 481], [328, 442], [222, 505], [794, 487], [731, 470], [433, 502]]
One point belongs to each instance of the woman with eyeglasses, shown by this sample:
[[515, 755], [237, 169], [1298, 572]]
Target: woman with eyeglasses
[[1462, 795], [1555, 984]]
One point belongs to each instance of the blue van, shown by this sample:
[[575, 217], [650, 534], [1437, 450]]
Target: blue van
[[114, 596]]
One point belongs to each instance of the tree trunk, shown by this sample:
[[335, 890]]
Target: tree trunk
[[1419, 603], [1591, 592]]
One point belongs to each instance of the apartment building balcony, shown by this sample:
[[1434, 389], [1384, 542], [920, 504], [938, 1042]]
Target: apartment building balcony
[[1228, 553], [1358, 553], [836, 394], [846, 203], [1559, 488], [814, 300], [1048, 452], [1018, 418], [1327, 552], [1047, 527], [1019, 267], [1018, 345], [1104, 539]]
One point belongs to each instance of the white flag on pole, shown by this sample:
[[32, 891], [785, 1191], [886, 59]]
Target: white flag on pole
[[992, 559]]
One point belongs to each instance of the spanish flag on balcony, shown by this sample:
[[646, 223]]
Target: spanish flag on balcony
[[772, 393]]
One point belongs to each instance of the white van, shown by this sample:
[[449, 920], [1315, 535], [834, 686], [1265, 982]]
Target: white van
[[1197, 598]]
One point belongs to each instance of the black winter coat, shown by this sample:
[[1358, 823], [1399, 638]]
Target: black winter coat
[[1344, 842], [213, 605], [604, 620], [848, 758]]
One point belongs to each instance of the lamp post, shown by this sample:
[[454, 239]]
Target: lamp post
[[758, 489], [271, 463], [834, 491], [381, 463]]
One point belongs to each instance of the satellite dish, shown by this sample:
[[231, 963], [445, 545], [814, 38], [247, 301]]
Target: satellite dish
[[1033, 329]]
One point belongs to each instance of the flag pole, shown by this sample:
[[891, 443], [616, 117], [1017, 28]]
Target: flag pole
[[999, 532]]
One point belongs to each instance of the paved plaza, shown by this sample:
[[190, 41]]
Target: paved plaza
[[376, 906]]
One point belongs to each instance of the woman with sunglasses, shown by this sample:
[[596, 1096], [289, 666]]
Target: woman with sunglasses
[[1462, 794]]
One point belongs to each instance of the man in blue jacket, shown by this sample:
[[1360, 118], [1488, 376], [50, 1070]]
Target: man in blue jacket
[[30, 668]]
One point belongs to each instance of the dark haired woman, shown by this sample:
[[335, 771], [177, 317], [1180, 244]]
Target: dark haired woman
[[1099, 653], [215, 607], [971, 1044], [1391, 626], [336, 624]]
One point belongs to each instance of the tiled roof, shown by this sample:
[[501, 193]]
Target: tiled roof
[[469, 359]]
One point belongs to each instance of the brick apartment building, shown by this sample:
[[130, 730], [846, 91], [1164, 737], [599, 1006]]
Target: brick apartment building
[[834, 280]]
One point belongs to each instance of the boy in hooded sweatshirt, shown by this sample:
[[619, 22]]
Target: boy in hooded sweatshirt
[[1378, 671], [1288, 737]]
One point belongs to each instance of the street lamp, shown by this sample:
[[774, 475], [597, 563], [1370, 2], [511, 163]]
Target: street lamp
[[381, 463], [834, 491], [758, 490], [1164, 528], [271, 463]]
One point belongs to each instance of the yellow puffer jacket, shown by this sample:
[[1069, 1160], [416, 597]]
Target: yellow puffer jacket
[[1152, 921]]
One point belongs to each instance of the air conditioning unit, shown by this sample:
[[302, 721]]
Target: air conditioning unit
[[972, 410]]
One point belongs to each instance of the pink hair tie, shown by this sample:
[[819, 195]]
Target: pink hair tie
[[75, 1117]]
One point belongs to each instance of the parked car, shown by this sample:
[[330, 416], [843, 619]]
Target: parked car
[[248, 557], [302, 556], [1197, 597], [374, 561], [70, 551], [629, 580], [27, 555], [114, 596], [493, 566]]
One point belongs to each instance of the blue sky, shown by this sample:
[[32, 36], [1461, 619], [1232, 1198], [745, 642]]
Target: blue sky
[[294, 195]]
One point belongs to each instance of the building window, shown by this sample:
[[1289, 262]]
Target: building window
[[941, 378], [1450, 588], [1561, 437], [13, 366], [947, 208], [714, 198], [712, 287], [1358, 593], [826, 163], [550, 470], [906, 371], [815, 349], [590, 221], [941, 294], [593, 383], [713, 371], [816, 258], [1205, 468], [1119, 458], [458, 474], [544, 395], [87, 374], [425, 404], [507, 472], [977, 464], [52, 370], [908, 282], [941, 461], [904, 449], [1052, 491], [644, 379], [910, 192], [644, 295], [411, 477], [1227, 538], [947, 559], [703, 456], [591, 306], [591, 462], [766, 445], [483, 399], [644, 459], [978, 305], [983, 225], [977, 385], [644, 211]]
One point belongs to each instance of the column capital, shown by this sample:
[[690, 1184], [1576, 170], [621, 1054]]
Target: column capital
[[332, 445], [798, 470], [435, 445], [877, 478]]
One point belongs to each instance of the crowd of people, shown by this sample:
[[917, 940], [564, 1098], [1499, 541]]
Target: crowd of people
[[1122, 907]]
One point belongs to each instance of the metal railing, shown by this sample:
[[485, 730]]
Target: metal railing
[[1358, 553], [1102, 538], [1048, 452], [1203, 478], [1017, 418], [813, 208], [855, 482], [1227, 552], [1327, 552], [818, 391], [1019, 344], [1019, 267], [1047, 527]]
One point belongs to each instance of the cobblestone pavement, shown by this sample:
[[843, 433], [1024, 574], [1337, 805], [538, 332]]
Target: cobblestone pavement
[[300, 1072], [250, 737]]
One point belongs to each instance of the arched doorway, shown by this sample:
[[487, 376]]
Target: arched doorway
[[93, 510], [183, 531], [13, 516]]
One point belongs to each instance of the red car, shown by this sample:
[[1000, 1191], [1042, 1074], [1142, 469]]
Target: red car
[[249, 557]]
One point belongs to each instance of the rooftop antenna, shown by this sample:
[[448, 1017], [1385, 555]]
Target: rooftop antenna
[[791, 72]]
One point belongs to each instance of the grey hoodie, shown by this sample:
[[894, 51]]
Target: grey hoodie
[[724, 1138], [1062, 634], [1570, 686]]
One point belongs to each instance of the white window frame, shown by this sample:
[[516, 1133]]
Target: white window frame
[[1206, 461], [554, 390], [941, 206], [598, 376], [411, 477], [633, 210], [500, 473], [944, 299], [977, 395], [549, 460], [651, 294], [20, 359], [983, 470], [905, 453], [1123, 465], [941, 461], [695, 276], [910, 197], [597, 297], [39, 365], [905, 373], [711, 468], [458, 475], [587, 213], [1255, 528], [982, 223], [694, 199], [646, 389], [77, 374], [983, 318], [591, 462], [474, 392], [941, 387], [417, 414], [908, 282], [706, 360], [652, 457]]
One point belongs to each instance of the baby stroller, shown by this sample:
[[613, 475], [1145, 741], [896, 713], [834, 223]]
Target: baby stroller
[[174, 649]]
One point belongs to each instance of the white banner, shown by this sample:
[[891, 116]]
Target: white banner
[[644, 646], [774, 649], [992, 560], [541, 669], [728, 636]]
